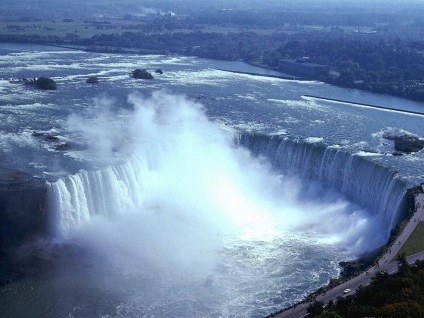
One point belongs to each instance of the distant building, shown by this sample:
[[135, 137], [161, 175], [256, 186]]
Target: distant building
[[301, 67]]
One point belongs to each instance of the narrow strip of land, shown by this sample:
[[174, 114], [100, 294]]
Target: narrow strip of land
[[286, 77], [364, 105], [386, 263]]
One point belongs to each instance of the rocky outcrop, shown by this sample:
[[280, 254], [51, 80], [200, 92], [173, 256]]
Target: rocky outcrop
[[406, 143], [57, 142], [141, 74], [45, 83], [92, 80], [23, 220], [23, 208]]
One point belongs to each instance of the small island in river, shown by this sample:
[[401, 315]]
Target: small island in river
[[381, 53]]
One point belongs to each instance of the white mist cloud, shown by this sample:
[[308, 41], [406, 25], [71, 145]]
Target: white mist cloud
[[101, 129], [200, 188], [187, 220]]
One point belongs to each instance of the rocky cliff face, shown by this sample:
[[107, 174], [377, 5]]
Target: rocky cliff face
[[23, 208]]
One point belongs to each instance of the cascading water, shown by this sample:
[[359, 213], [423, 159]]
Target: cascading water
[[76, 199], [376, 187], [170, 218], [197, 226]]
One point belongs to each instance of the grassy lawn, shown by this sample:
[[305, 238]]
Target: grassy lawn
[[415, 242]]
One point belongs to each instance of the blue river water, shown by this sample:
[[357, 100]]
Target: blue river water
[[244, 102], [195, 239]]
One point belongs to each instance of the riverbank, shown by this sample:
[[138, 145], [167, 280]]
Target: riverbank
[[23, 218], [364, 105], [384, 262], [100, 47], [264, 75]]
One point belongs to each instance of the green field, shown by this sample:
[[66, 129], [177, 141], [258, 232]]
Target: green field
[[415, 242]]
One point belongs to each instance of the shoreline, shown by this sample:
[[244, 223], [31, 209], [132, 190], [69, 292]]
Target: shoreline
[[291, 78], [385, 261], [363, 105], [127, 50], [317, 97]]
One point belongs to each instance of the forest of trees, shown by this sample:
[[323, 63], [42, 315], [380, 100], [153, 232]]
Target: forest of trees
[[364, 61], [377, 49], [389, 66]]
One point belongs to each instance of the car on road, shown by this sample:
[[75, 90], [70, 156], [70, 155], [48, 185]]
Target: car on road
[[346, 291]]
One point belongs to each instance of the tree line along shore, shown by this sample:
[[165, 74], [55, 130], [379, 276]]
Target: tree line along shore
[[364, 60]]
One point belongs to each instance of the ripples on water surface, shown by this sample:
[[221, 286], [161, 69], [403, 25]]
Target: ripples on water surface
[[244, 276]]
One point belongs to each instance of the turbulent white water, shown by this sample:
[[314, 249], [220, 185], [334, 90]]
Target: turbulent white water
[[192, 203], [378, 188], [172, 214], [178, 156]]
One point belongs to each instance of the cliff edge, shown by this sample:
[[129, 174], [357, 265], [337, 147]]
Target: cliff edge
[[23, 208]]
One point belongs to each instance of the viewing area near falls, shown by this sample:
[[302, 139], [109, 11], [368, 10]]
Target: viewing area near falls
[[415, 240]]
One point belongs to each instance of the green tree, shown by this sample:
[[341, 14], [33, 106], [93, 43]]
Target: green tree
[[403, 267], [315, 308], [406, 309], [329, 314]]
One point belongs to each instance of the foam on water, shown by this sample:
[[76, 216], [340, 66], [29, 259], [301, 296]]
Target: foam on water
[[314, 139], [171, 226], [214, 233]]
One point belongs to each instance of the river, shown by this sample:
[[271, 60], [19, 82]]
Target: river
[[157, 211]]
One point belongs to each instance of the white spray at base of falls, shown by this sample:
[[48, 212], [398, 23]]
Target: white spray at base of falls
[[191, 224], [186, 185], [179, 158], [376, 187]]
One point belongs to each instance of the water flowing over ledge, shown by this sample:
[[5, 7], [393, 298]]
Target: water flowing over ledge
[[378, 188], [75, 199], [176, 222]]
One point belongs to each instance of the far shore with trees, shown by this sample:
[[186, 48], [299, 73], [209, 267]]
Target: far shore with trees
[[380, 60], [380, 50]]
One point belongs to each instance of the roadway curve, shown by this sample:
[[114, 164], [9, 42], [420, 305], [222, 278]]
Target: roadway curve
[[384, 263]]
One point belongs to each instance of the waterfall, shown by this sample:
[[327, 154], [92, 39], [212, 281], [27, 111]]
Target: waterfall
[[115, 190], [378, 188], [75, 199]]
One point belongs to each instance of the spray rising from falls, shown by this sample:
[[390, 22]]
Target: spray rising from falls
[[376, 187], [185, 210], [186, 172], [178, 159]]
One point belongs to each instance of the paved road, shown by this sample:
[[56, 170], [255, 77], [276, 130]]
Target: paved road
[[385, 263]]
